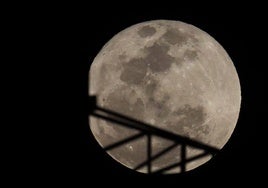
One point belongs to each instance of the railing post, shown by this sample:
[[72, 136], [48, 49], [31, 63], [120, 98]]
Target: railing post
[[149, 152], [183, 157]]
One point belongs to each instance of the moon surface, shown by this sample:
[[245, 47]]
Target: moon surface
[[170, 75]]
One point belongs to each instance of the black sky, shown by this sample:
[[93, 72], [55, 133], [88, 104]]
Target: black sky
[[82, 34]]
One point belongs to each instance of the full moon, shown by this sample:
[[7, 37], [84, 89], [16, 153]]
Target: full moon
[[170, 75]]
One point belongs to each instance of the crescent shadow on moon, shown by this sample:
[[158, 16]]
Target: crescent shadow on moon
[[148, 131]]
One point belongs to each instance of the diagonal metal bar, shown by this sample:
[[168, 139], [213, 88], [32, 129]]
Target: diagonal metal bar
[[156, 156], [117, 114], [149, 129], [136, 136], [179, 163], [125, 124]]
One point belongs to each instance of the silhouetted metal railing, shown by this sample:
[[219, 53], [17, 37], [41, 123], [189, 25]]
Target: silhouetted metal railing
[[150, 130]]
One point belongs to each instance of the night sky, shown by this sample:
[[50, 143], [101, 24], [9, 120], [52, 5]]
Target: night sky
[[82, 35]]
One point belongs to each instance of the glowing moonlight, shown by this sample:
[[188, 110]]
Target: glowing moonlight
[[173, 76]]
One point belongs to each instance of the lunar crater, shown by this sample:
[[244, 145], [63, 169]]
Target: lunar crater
[[175, 36], [158, 59], [133, 71], [191, 54], [146, 31]]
